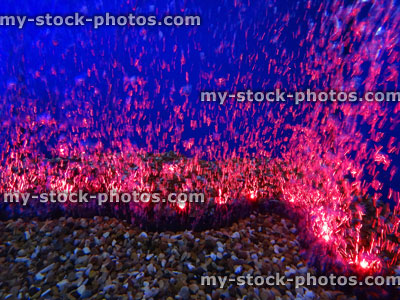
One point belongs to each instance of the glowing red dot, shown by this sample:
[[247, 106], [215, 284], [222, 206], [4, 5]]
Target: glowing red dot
[[181, 205], [364, 264]]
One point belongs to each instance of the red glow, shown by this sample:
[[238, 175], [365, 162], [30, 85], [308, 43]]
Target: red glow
[[364, 264], [113, 119], [181, 205]]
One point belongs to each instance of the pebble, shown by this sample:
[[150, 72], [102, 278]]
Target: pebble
[[189, 235], [150, 293], [24, 260], [83, 292], [235, 235], [184, 293], [82, 260], [194, 288], [151, 269], [290, 272], [238, 269], [47, 269], [143, 235], [39, 277], [163, 263], [190, 267], [213, 256], [62, 284], [309, 295], [45, 293]]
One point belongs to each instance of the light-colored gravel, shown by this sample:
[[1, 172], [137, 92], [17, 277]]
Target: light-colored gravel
[[104, 258]]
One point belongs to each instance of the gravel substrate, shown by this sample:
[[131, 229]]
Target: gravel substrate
[[104, 258]]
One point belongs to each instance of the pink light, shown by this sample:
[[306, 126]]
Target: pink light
[[181, 205], [326, 237], [364, 264], [221, 199]]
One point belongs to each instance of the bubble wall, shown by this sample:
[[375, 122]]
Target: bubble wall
[[118, 108]]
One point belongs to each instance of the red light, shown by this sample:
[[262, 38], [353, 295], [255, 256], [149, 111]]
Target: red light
[[364, 264], [181, 205]]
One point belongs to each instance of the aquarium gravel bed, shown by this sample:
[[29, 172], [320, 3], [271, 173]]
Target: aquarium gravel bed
[[103, 258]]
